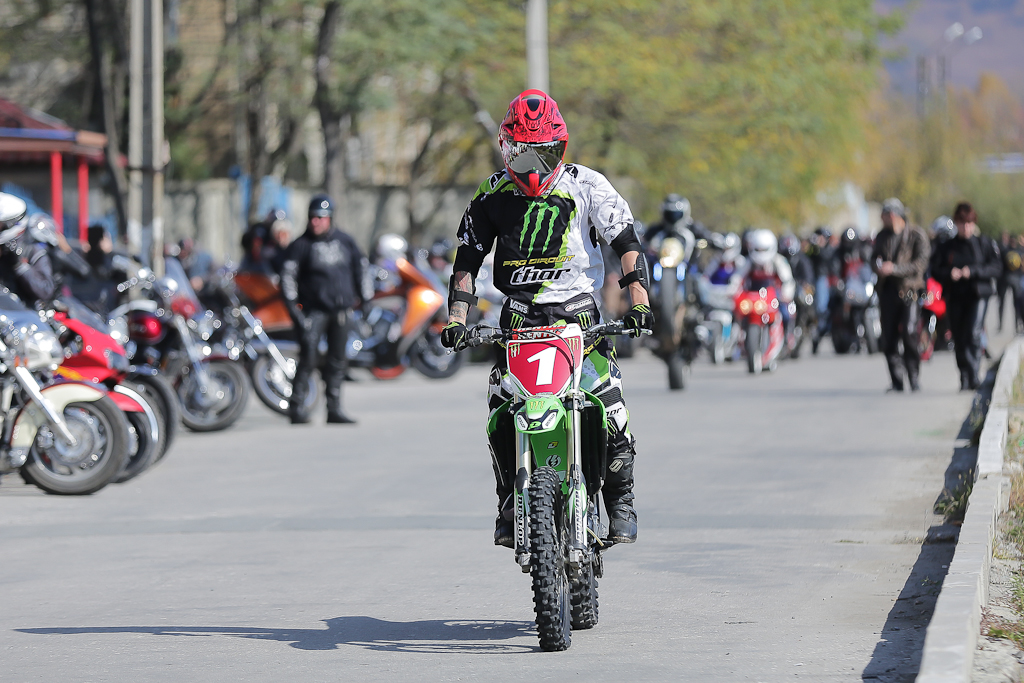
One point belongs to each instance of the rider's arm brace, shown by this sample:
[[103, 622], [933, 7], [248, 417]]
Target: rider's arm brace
[[627, 246], [463, 281]]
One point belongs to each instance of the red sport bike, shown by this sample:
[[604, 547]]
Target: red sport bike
[[94, 353], [758, 314]]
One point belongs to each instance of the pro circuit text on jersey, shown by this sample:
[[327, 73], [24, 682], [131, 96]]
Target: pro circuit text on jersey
[[546, 248]]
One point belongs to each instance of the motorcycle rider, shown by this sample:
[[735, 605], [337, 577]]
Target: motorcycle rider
[[321, 280], [900, 258], [25, 267], [542, 217], [768, 268], [822, 253], [799, 262], [965, 266], [675, 217], [724, 267]]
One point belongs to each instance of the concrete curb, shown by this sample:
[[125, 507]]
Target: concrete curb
[[953, 632]]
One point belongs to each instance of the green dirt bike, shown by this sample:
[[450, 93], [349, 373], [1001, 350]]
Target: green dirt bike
[[553, 435]]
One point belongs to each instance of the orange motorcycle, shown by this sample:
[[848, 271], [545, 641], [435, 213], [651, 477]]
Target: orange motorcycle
[[399, 327]]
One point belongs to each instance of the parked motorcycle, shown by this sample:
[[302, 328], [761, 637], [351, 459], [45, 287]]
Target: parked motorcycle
[[171, 331], [856, 317], [553, 435], [66, 437], [94, 353], [271, 364], [758, 314]]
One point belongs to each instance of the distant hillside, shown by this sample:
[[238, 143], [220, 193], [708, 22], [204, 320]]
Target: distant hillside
[[1001, 50]]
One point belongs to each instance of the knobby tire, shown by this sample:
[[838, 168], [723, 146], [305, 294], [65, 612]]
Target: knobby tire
[[551, 589]]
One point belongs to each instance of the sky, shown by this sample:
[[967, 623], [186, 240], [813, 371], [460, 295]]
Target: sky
[[1001, 50]]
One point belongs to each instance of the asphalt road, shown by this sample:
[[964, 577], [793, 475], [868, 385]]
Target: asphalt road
[[781, 518]]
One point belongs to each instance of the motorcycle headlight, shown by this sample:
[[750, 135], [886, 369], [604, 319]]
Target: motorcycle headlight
[[37, 345], [671, 253]]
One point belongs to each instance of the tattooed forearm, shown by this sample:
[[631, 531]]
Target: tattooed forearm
[[463, 282], [637, 293]]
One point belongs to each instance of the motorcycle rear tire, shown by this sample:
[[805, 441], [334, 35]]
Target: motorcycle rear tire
[[162, 397], [146, 449], [234, 374], [675, 372], [755, 359], [584, 599], [266, 393], [549, 552], [115, 449]]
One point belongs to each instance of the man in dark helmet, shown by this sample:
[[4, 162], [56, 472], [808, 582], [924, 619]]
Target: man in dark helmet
[[543, 217], [321, 281]]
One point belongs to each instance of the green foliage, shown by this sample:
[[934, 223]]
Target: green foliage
[[746, 107]]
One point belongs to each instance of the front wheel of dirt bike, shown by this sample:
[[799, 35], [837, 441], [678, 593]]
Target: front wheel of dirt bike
[[675, 372], [548, 560], [755, 360], [274, 389], [432, 359], [101, 436], [218, 404]]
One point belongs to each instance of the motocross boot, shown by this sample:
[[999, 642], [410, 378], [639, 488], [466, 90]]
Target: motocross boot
[[618, 499]]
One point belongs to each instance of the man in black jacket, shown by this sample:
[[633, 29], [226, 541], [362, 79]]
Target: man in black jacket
[[900, 258], [965, 266], [321, 280], [25, 267]]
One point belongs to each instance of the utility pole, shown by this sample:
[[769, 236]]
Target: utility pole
[[146, 131], [537, 44]]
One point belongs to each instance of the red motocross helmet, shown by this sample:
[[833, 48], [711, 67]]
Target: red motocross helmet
[[533, 138]]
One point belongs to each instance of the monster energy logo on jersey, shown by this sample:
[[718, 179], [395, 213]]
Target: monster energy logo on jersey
[[539, 222]]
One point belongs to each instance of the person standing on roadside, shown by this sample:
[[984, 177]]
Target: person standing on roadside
[[900, 258], [321, 280], [965, 267], [1013, 271], [1003, 282]]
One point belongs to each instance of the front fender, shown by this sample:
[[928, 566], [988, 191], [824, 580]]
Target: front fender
[[31, 417]]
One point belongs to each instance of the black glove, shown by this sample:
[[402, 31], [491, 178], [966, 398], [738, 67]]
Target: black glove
[[639, 318], [453, 334]]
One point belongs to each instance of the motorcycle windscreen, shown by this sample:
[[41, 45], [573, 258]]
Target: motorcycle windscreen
[[542, 366]]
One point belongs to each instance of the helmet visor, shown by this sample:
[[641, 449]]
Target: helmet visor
[[542, 158]]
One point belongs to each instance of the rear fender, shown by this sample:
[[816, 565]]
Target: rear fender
[[31, 417]]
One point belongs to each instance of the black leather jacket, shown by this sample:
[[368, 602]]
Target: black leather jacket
[[322, 272]]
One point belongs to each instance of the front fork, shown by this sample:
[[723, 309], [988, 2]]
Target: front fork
[[576, 499]]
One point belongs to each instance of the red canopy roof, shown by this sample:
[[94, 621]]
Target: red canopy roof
[[29, 136]]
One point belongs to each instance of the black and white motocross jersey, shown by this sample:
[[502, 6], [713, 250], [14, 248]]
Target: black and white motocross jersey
[[547, 249]]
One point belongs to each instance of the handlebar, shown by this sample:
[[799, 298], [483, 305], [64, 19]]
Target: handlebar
[[483, 334]]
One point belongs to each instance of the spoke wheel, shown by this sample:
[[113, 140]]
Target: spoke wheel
[[549, 559], [90, 464], [215, 406], [274, 389]]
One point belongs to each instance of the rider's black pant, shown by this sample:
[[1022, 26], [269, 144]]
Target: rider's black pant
[[316, 325], [899, 323], [967, 323]]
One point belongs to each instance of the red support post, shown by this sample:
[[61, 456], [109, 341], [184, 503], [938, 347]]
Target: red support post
[[57, 190], [83, 200]]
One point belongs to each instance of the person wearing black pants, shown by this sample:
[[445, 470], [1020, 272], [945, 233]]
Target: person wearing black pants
[[321, 280], [900, 258], [966, 266]]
